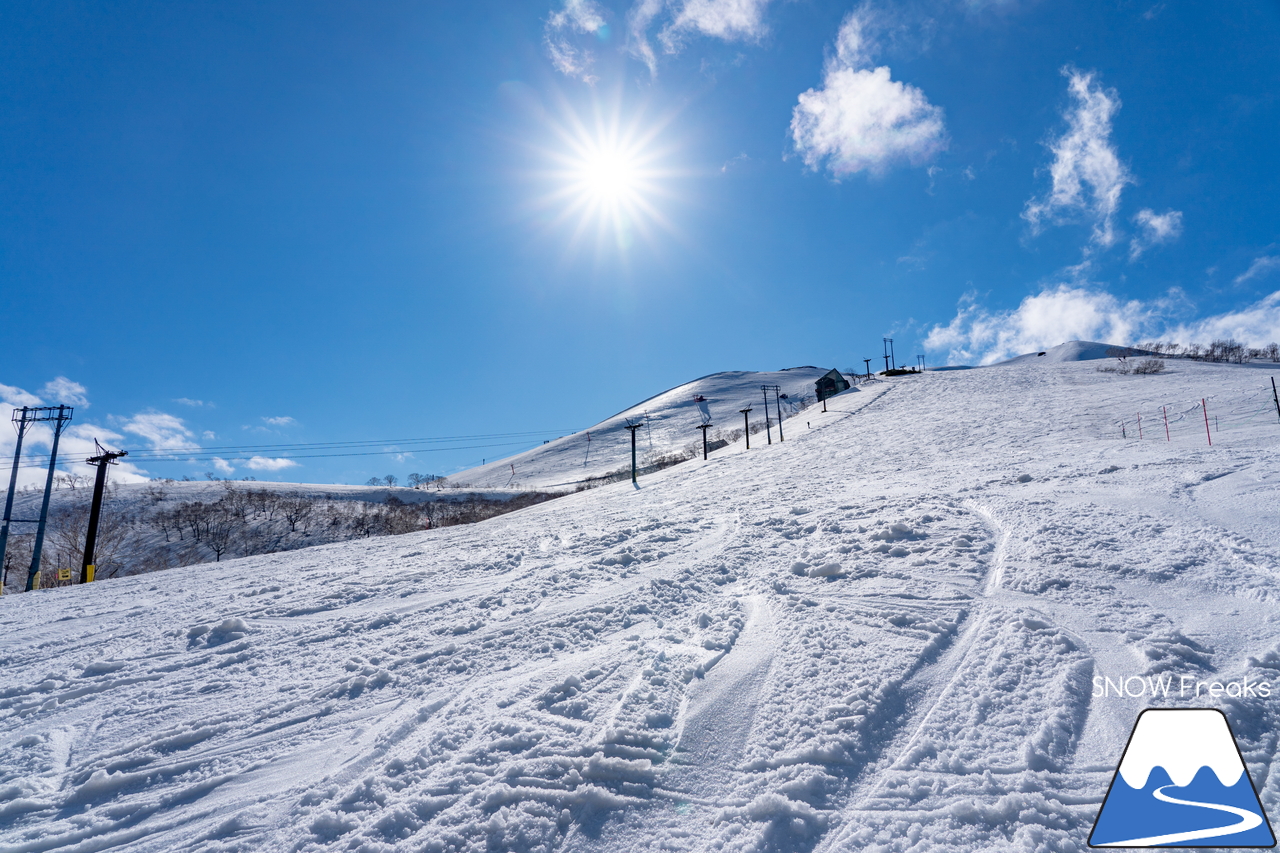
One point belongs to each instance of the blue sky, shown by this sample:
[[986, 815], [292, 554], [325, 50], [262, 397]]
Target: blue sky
[[226, 225]]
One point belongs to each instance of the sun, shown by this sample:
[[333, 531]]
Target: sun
[[609, 176]]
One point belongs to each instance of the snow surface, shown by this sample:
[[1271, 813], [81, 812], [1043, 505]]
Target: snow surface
[[879, 635]]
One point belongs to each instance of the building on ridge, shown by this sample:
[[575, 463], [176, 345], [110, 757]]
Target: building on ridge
[[830, 384]]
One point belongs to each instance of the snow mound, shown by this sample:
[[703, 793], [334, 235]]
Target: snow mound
[[1071, 351]]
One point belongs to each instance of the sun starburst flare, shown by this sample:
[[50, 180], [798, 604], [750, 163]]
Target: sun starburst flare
[[608, 178]]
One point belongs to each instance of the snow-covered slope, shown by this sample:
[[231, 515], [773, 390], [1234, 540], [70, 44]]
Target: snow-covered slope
[[131, 497], [887, 633], [670, 422], [158, 524], [1072, 351]]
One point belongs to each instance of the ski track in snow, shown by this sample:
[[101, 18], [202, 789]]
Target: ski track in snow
[[880, 635]]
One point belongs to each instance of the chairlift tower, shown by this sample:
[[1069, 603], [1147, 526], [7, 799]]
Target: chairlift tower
[[102, 460], [21, 421], [704, 427], [776, 389], [23, 418], [764, 389], [631, 428]]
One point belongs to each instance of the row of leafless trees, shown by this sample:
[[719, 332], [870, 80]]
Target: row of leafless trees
[[415, 481], [158, 532], [1223, 349]]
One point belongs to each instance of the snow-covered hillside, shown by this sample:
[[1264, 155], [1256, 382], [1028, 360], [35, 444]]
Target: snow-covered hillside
[[164, 523], [670, 423], [1072, 351], [886, 633]]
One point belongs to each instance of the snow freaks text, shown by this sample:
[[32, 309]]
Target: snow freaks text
[[1182, 686]]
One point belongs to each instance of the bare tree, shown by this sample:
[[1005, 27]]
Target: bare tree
[[297, 510], [222, 530]]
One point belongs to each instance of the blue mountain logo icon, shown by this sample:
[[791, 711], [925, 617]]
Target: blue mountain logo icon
[[1182, 783]]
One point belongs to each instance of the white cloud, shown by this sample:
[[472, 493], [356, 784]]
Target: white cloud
[[1088, 176], [855, 42], [861, 119], [727, 20], [279, 422], [263, 463], [195, 404], [17, 397], [160, 430], [730, 20], [1260, 267], [582, 16], [1154, 229], [578, 17], [1051, 317], [735, 164], [639, 19], [571, 61], [75, 445], [63, 392], [222, 466], [1068, 312], [1255, 325]]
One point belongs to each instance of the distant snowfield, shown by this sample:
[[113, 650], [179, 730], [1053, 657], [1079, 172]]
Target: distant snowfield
[[882, 634]]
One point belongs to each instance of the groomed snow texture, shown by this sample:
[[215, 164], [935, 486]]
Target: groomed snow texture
[[880, 635]]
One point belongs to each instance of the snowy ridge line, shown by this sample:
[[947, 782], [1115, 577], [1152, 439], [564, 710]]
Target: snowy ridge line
[[650, 399], [670, 420]]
